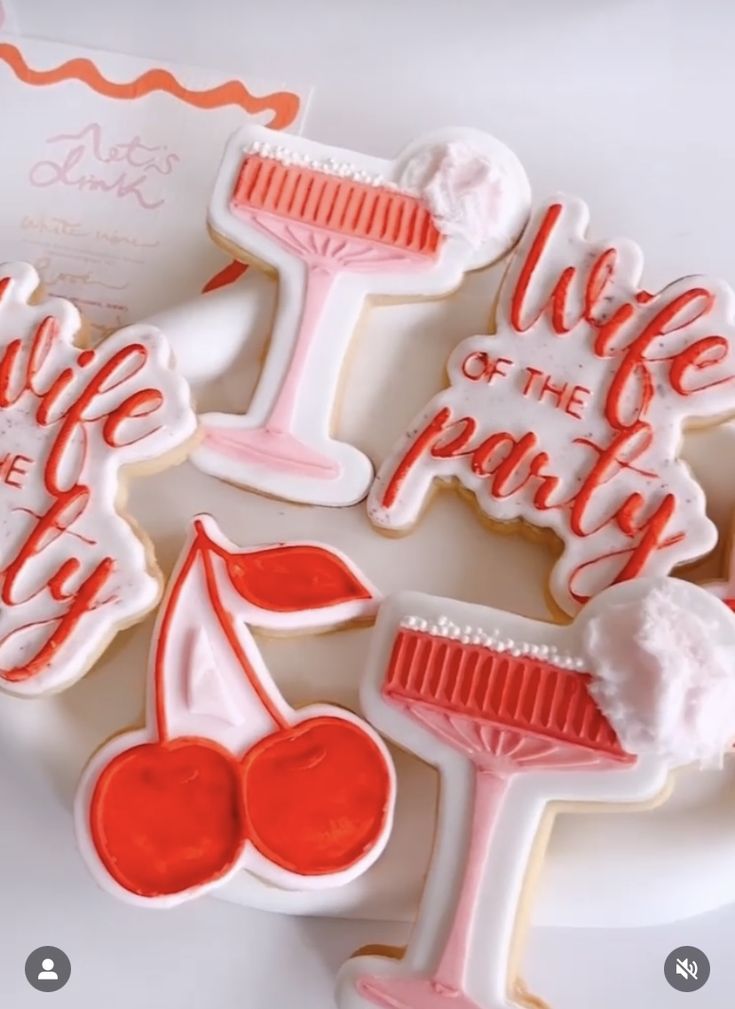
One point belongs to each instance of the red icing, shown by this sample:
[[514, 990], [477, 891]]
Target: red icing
[[509, 464], [340, 205], [232, 272], [166, 817], [69, 402], [315, 795], [523, 693], [288, 579], [632, 371], [421, 445], [312, 797], [641, 346]]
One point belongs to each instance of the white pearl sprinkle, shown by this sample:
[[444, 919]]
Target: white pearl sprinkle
[[329, 165], [469, 635]]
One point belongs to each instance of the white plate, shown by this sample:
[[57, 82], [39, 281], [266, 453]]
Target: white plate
[[609, 869]]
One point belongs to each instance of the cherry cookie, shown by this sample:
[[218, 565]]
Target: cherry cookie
[[569, 419], [74, 571], [225, 775], [522, 718], [338, 227]]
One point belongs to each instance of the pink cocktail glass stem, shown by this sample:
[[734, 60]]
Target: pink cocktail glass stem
[[319, 281], [489, 792]]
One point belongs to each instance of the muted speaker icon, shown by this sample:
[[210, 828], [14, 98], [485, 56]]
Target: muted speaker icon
[[686, 968]]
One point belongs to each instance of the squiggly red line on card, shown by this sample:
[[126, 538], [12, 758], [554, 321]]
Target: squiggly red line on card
[[283, 105]]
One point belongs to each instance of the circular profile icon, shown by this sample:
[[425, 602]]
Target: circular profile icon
[[48, 968], [686, 968]]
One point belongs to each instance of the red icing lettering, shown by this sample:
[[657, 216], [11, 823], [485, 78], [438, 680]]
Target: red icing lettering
[[555, 300], [567, 397], [533, 374], [414, 453], [480, 367], [557, 393], [511, 464], [14, 469], [700, 356], [61, 399], [577, 401], [582, 435]]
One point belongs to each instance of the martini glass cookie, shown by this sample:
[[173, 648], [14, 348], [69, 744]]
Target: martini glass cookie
[[226, 775], [75, 422], [338, 228], [519, 717], [569, 419]]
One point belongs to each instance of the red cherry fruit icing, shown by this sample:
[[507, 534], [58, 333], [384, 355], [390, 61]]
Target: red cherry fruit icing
[[169, 816], [316, 795], [289, 579]]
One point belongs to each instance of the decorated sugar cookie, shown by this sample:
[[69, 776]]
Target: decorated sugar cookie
[[226, 775], [75, 421], [569, 419], [339, 227], [520, 716]]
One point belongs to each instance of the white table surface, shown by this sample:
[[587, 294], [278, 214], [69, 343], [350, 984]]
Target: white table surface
[[626, 103]]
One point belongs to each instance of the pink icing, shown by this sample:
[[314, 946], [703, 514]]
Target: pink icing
[[427, 678], [265, 446], [325, 256], [664, 680], [462, 189]]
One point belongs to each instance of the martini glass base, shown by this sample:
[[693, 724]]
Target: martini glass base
[[278, 450], [278, 463], [414, 993]]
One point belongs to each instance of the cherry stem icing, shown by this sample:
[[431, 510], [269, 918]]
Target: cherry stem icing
[[201, 550]]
